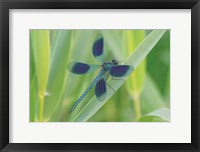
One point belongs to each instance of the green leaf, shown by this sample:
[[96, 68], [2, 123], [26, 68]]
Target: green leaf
[[73, 85], [151, 98], [111, 40], [159, 62], [33, 84], [41, 52], [159, 115], [167, 87], [134, 59], [136, 81], [33, 99], [59, 59]]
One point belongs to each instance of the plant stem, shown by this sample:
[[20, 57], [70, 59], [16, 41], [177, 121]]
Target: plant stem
[[137, 107], [41, 107]]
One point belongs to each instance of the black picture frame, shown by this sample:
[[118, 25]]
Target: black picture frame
[[6, 5]]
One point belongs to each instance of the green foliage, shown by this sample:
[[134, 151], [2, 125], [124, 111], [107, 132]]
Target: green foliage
[[159, 115], [159, 59], [134, 59], [146, 91], [57, 75], [136, 80], [40, 47]]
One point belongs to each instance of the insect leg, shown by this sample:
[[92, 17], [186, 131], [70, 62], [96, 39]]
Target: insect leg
[[110, 87], [108, 84]]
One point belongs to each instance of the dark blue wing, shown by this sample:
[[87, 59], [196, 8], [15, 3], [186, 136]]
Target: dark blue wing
[[81, 68], [97, 48], [100, 89], [120, 70]]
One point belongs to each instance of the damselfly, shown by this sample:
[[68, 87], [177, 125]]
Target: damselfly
[[107, 68]]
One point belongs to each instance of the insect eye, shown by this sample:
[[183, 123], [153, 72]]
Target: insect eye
[[115, 61]]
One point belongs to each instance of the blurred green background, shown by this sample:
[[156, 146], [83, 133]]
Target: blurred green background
[[144, 97]]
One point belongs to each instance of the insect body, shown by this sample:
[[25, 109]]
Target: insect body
[[111, 68]]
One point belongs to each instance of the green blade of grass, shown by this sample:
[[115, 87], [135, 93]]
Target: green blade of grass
[[134, 59], [151, 98], [111, 38], [159, 115], [33, 99], [80, 46], [159, 62], [136, 80], [33, 84], [41, 51], [57, 74]]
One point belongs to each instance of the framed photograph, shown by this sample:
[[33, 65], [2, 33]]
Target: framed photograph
[[96, 75]]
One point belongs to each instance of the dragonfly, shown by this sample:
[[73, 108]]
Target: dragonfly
[[112, 68]]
